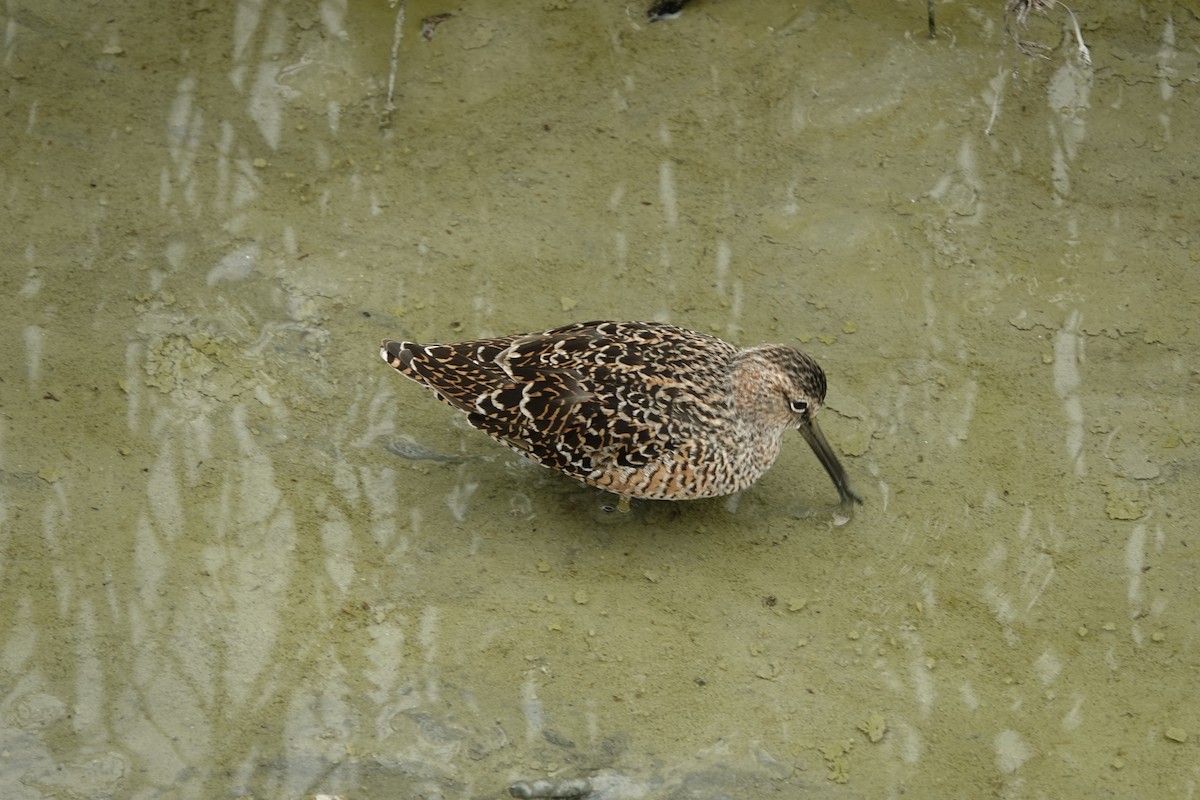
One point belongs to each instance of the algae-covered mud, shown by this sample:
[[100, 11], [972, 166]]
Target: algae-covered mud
[[241, 557]]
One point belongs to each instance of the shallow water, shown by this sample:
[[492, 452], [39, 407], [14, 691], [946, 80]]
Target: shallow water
[[219, 578]]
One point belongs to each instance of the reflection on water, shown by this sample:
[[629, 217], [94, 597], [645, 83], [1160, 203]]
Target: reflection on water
[[238, 558]]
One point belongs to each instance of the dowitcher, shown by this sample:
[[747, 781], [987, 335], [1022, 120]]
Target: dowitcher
[[640, 409]]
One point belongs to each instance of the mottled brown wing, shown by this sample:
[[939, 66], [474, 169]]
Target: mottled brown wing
[[584, 397], [652, 350]]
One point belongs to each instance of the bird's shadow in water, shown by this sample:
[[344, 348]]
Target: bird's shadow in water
[[606, 509]]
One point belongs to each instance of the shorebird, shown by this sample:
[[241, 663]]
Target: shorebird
[[640, 409]]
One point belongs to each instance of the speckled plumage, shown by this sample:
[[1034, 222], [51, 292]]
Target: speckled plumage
[[641, 409]]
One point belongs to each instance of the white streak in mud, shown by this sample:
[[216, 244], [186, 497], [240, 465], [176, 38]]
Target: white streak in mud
[[333, 113], [924, 692], [337, 538], [535, 715], [616, 196], [89, 709], [1011, 751], [185, 126], [1069, 95], [133, 383], [33, 352], [735, 308], [382, 492], [386, 655], [971, 389], [235, 266], [165, 494], [1135, 559], [1068, 355], [268, 96], [967, 204], [1074, 717], [254, 537], [459, 499], [1036, 567], [666, 191], [1166, 54], [33, 280], [970, 699], [724, 258], [428, 636], [333, 17], [245, 23], [1047, 666]]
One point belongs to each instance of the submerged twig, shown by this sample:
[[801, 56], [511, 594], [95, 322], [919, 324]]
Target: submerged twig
[[393, 64], [1018, 11], [1085, 55], [429, 24], [575, 787]]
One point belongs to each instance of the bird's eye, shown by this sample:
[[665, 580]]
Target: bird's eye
[[800, 406]]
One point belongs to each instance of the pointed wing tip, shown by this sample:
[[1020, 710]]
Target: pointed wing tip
[[391, 352]]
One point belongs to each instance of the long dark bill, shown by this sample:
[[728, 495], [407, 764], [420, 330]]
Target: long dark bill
[[816, 440]]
